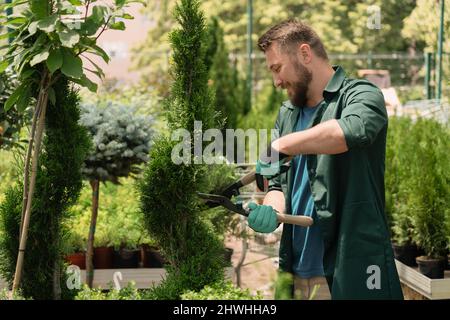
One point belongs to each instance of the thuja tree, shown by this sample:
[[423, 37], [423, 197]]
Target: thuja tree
[[50, 37], [168, 191], [58, 183], [122, 141]]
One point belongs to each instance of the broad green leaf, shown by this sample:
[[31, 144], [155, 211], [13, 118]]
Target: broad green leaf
[[100, 72], [90, 27], [85, 82], [39, 8], [69, 38], [117, 25], [32, 28], [24, 99], [48, 24], [14, 97], [72, 65], [26, 74], [127, 16], [98, 14], [55, 60], [52, 96], [41, 56], [120, 3], [75, 2], [3, 65], [100, 52], [18, 20]]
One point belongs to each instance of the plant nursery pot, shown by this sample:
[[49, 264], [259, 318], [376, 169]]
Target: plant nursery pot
[[151, 257], [406, 254], [78, 259], [125, 258], [103, 257], [432, 268]]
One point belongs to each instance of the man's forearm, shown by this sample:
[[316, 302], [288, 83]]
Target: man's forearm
[[325, 138], [276, 200]]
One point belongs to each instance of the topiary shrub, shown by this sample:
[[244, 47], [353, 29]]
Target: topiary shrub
[[168, 191], [58, 185], [122, 140]]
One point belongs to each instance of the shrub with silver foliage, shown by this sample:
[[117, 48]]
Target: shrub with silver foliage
[[121, 139]]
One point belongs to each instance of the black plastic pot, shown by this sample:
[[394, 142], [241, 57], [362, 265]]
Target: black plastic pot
[[406, 254], [151, 257], [125, 258], [432, 268]]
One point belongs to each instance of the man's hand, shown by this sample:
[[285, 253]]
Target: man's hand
[[262, 218]]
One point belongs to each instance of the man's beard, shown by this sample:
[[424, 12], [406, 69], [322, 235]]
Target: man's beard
[[300, 87]]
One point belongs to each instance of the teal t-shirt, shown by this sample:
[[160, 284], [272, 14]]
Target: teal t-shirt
[[307, 242]]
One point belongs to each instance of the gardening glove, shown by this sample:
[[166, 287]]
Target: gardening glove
[[269, 164], [262, 218]]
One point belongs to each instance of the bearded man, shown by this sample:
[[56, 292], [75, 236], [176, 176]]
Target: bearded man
[[335, 127]]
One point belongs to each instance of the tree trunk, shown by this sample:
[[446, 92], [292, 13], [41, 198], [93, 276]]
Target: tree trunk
[[26, 170], [42, 107], [95, 184]]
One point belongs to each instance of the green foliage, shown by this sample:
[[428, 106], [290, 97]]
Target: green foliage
[[417, 188], [119, 221], [224, 290], [73, 242], [342, 25], [284, 286], [4, 295], [172, 214], [191, 99], [171, 208], [49, 39], [430, 202], [11, 121], [121, 139], [127, 293], [58, 184]]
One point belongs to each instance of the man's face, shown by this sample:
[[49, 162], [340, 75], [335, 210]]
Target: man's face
[[289, 73]]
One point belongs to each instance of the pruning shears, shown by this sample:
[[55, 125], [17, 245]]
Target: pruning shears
[[224, 199]]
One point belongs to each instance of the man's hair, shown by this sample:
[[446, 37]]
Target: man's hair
[[288, 34]]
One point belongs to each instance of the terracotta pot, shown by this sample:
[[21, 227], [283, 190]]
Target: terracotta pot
[[103, 257], [78, 259], [432, 268]]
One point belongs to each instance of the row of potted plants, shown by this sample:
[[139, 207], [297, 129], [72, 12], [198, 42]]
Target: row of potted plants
[[111, 258], [418, 193]]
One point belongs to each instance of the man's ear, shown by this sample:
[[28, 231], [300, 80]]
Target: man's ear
[[305, 53]]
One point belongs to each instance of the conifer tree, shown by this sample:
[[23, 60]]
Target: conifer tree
[[168, 196], [58, 184]]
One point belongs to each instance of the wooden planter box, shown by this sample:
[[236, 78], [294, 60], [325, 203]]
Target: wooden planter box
[[429, 288], [143, 277]]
